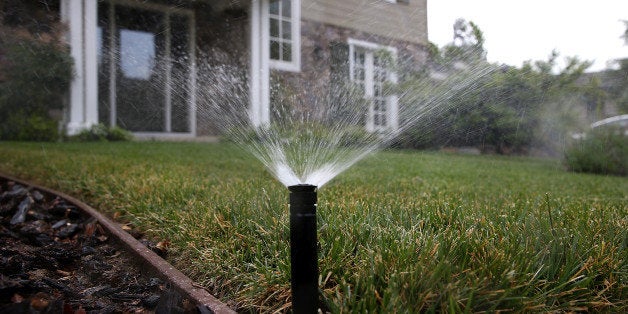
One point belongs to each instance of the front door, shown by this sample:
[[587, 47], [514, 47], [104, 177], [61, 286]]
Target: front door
[[145, 67]]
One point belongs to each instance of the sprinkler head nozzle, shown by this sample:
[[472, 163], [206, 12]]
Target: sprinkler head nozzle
[[303, 248], [302, 188]]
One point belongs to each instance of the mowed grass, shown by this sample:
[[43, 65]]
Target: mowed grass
[[401, 231]]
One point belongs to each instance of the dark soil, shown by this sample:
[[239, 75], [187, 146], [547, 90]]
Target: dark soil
[[56, 259]]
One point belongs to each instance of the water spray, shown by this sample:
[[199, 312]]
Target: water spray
[[303, 252]]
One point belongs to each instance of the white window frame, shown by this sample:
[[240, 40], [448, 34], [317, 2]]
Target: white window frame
[[370, 48], [295, 21]]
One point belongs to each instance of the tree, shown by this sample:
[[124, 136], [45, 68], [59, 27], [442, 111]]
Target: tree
[[467, 47], [595, 97], [467, 34], [494, 107]]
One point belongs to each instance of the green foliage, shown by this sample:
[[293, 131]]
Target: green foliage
[[35, 75], [603, 150], [499, 112], [468, 46], [118, 134], [558, 119], [509, 110], [25, 127], [595, 97], [102, 133]]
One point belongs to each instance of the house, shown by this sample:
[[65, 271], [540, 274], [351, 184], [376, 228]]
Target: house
[[603, 96], [137, 62]]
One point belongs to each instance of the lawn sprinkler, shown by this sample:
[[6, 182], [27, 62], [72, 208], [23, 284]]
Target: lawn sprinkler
[[303, 253]]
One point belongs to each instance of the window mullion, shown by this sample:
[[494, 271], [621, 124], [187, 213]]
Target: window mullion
[[369, 91], [369, 74]]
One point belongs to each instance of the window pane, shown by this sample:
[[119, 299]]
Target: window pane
[[140, 84], [274, 28], [274, 50], [137, 50], [274, 7], [286, 27], [287, 52], [376, 60], [370, 71], [378, 75], [287, 4]]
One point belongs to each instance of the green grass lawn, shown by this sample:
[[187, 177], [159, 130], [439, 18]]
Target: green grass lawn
[[401, 231]]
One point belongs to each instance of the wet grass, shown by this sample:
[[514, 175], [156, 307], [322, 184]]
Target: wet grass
[[399, 232]]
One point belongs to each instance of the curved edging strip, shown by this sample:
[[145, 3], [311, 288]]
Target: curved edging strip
[[179, 281]]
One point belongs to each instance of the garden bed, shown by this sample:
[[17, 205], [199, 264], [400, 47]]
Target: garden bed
[[58, 256]]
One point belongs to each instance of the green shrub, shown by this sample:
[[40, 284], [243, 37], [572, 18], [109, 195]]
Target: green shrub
[[35, 75], [102, 133], [603, 151], [117, 134], [22, 127]]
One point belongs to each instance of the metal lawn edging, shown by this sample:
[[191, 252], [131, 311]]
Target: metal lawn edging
[[206, 303]]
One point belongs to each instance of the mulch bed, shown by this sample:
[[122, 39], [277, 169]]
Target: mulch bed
[[56, 259]]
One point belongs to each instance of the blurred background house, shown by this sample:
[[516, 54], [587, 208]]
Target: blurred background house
[[137, 63]]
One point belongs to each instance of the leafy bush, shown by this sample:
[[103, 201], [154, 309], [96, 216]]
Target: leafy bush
[[495, 108], [603, 151], [102, 133], [117, 134], [35, 74], [23, 127]]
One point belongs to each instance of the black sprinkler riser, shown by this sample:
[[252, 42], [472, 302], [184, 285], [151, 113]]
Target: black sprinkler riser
[[303, 248]]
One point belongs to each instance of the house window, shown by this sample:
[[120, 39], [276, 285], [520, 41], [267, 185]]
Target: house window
[[370, 69], [284, 34], [145, 68]]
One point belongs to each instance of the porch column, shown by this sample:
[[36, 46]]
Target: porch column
[[81, 18], [259, 81]]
